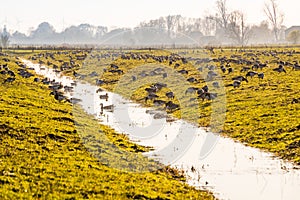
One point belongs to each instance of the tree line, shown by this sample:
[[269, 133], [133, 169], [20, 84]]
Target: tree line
[[222, 27]]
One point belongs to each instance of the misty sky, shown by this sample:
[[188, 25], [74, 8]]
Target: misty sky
[[23, 15]]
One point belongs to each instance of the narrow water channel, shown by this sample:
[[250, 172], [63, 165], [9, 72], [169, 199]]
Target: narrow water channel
[[230, 170]]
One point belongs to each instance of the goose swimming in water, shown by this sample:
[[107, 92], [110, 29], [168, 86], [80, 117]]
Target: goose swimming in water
[[105, 96], [109, 108]]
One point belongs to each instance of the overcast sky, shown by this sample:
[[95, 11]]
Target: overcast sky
[[23, 15]]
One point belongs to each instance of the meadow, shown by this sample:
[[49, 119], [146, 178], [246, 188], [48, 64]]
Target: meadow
[[261, 112], [50, 150]]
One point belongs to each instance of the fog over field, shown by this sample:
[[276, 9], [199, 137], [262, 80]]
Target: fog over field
[[202, 22]]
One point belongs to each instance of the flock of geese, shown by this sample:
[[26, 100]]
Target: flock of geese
[[249, 62]]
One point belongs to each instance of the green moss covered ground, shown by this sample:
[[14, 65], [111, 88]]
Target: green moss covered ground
[[53, 150]]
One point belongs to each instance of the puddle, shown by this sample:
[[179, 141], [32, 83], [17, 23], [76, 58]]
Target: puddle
[[230, 170]]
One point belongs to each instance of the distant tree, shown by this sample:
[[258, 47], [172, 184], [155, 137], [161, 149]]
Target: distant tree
[[261, 33], [208, 26], [222, 15], [294, 37], [43, 31], [275, 17], [172, 23], [238, 30], [221, 19], [4, 38], [100, 31]]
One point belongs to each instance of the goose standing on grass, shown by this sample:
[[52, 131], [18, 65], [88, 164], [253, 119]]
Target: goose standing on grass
[[9, 80], [235, 84], [172, 106], [261, 75], [251, 74], [279, 69], [170, 95], [240, 78], [296, 66]]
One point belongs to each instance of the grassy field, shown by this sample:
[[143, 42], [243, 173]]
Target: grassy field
[[47, 154], [262, 113]]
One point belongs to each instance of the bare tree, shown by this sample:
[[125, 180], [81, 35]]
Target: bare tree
[[237, 28], [221, 19], [275, 17], [222, 14], [208, 26]]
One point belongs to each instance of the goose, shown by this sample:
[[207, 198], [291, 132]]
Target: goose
[[152, 89], [244, 69], [210, 96], [68, 88], [172, 106], [159, 86], [255, 66], [176, 65], [200, 69], [99, 90], [153, 73], [158, 102], [251, 74], [211, 67], [99, 82], [11, 73], [58, 95], [9, 80], [200, 91], [109, 108], [262, 65], [279, 69], [192, 80], [235, 84], [216, 84], [211, 75], [170, 95], [105, 96], [74, 100], [240, 78], [205, 88], [183, 71], [191, 90], [165, 75], [296, 67], [159, 116], [133, 78], [151, 96], [261, 75], [223, 69], [114, 66]]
